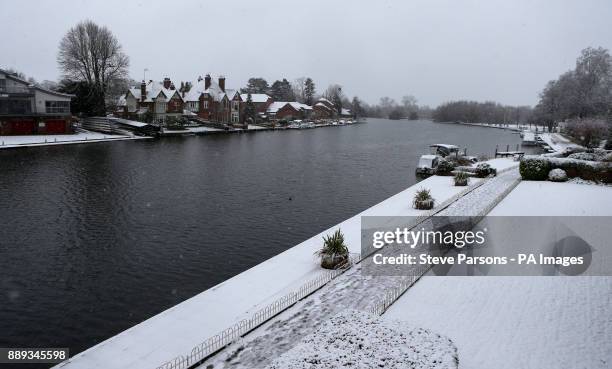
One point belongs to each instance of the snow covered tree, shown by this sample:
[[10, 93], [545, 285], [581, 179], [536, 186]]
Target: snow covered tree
[[91, 54]]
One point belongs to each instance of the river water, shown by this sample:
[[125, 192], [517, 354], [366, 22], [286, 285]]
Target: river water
[[96, 238]]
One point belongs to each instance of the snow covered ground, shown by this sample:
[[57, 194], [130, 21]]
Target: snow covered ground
[[557, 142], [522, 322], [359, 340], [42, 140]]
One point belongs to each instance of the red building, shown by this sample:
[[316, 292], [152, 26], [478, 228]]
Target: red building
[[27, 109], [288, 110], [160, 99], [213, 101]]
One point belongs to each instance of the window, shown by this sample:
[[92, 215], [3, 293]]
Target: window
[[2, 84], [193, 105], [205, 104], [54, 107], [161, 106], [235, 105], [235, 118]]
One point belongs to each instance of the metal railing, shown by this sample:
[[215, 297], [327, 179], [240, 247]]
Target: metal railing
[[238, 330]]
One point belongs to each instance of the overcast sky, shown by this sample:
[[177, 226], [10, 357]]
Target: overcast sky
[[435, 50]]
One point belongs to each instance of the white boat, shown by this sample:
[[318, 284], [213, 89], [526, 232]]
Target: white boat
[[428, 163]]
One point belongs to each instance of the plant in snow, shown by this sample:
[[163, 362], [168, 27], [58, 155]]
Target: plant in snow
[[484, 169], [557, 175], [444, 167], [423, 200], [534, 168], [461, 178], [334, 251]]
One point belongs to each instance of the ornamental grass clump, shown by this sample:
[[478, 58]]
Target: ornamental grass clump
[[445, 167], [334, 251], [461, 178], [423, 200]]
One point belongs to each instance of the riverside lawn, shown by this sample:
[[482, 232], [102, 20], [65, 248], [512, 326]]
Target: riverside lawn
[[520, 259]]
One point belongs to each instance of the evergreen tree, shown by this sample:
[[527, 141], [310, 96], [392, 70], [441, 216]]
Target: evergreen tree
[[309, 91], [256, 85], [337, 100], [356, 107], [250, 112], [282, 91]]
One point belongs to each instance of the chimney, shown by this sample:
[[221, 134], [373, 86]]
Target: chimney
[[143, 91], [167, 83], [207, 81], [172, 86], [222, 83]]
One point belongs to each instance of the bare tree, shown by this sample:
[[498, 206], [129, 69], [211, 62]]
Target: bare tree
[[91, 53], [298, 86]]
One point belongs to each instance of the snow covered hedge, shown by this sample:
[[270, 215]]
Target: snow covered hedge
[[536, 168], [358, 340]]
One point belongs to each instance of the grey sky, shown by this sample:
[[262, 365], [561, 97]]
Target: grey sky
[[436, 50]]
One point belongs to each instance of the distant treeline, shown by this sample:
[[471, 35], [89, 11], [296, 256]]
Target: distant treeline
[[477, 112]]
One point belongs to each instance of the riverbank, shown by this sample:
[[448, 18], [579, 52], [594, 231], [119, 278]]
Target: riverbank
[[80, 137], [176, 331]]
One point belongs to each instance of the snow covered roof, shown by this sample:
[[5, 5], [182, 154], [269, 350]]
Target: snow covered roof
[[319, 104], [199, 87], [446, 146], [324, 100], [275, 106], [346, 111], [257, 98], [154, 89]]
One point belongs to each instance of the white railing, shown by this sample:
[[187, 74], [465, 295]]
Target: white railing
[[238, 330]]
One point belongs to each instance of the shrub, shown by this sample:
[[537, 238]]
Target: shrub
[[334, 251], [423, 200], [607, 157], [445, 167], [461, 178], [534, 168], [483, 170], [557, 175]]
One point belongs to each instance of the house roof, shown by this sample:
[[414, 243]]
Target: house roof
[[320, 104], [33, 86], [257, 98], [345, 111], [198, 88], [275, 106], [154, 88]]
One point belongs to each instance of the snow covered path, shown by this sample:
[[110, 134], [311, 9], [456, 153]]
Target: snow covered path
[[352, 290]]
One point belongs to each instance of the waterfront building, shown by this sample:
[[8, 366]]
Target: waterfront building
[[212, 101], [289, 110], [27, 109], [160, 99]]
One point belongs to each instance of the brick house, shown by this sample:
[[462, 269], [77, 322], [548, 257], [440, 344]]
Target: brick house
[[27, 109], [288, 110], [323, 111], [161, 99], [213, 101]]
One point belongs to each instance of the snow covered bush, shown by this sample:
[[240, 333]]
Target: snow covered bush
[[607, 157], [334, 251], [445, 167], [537, 168], [423, 200], [483, 170], [588, 131], [534, 168], [583, 156], [557, 175]]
